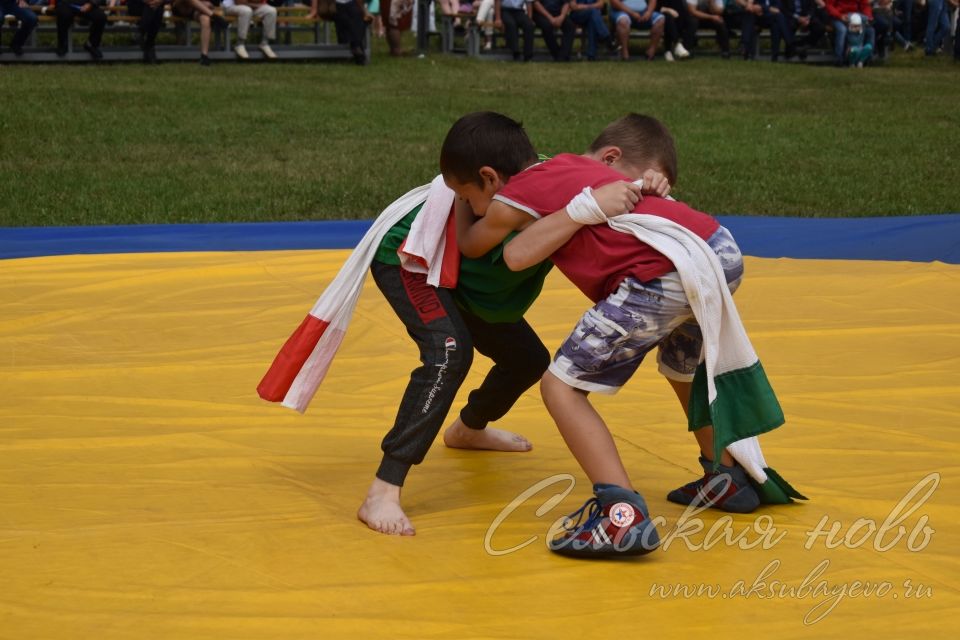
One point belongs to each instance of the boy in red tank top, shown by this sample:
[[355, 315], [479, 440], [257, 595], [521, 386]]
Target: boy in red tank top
[[639, 302]]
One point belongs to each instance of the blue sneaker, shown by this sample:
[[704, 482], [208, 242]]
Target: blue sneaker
[[617, 524], [727, 489]]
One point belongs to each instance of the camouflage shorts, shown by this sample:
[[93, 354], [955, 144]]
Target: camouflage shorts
[[611, 339]]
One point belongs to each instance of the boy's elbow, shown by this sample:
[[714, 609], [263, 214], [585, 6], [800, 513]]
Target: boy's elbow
[[469, 251], [513, 260]]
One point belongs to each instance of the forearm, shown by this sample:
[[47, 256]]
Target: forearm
[[539, 241]]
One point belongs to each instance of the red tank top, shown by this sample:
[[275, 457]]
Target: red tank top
[[597, 258]]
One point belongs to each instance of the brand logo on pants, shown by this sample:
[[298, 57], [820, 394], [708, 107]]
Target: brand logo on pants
[[450, 344]]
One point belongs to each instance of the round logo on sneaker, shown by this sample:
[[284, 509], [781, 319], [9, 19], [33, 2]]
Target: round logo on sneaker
[[622, 514]]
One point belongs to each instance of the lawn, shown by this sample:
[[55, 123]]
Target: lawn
[[179, 143]]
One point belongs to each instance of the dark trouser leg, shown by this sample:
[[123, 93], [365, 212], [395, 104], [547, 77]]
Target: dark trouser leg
[[150, 24], [349, 25], [28, 20], [549, 35], [519, 361], [568, 31], [64, 22], [670, 33], [723, 36], [749, 27], [446, 352], [509, 18], [527, 26], [98, 21]]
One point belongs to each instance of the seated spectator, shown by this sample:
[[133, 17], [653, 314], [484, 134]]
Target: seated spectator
[[840, 12], [204, 13], [551, 15], [26, 18], [88, 11], [512, 16], [638, 14], [686, 27], [150, 13], [809, 16], [588, 15], [486, 15], [766, 13], [858, 49], [245, 11], [708, 14], [351, 24]]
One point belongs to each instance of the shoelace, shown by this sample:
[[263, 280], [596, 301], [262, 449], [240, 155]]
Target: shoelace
[[595, 510]]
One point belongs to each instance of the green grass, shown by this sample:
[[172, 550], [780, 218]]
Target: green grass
[[178, 143]]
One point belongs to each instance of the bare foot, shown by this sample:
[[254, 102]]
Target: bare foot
[[460, 436], [381, 510]]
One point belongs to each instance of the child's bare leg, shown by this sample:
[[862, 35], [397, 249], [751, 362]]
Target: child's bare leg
[[656, 34], [623, 38], [704, 435], [584, 431], [381, 510], [460, 436]]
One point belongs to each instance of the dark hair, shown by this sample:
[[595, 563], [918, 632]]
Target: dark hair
[[485, 138], [643, 140]]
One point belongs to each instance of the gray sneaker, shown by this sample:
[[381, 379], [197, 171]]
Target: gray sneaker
[[267, 51], [617, 524], [727, 489]]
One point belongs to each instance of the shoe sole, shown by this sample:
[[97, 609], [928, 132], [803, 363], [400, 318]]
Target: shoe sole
[[571, 551], [672, 497]]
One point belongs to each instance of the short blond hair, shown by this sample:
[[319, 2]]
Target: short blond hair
[[643, 140]]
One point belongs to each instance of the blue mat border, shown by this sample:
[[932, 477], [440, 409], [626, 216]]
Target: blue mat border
[[910, 238]]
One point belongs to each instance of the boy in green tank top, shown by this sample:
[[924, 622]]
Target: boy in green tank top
[[484, 312]]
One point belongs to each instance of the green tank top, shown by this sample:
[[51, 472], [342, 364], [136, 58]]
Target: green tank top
[[486, 287]]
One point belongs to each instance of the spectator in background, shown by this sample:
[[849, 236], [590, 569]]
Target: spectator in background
[[512, 16], [204, 13], [26, 17], [859, 50], [840, 12], [809, 16], [351, 23], [638, 14], [904, 10], [686, 27], [588, 15], [708, 14], [766, 13], [956, 29], [151, 19], [486, 16], [887, 28], [397, 18], [89, 11], [245, 11], [373, 8], [938, 26], [551, 15]]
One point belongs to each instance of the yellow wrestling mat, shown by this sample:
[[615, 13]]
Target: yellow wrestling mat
[[146, 492]]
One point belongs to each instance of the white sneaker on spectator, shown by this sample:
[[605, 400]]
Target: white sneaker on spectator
[[680, 51], [668, 56], [241, 51], [267, 51]]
